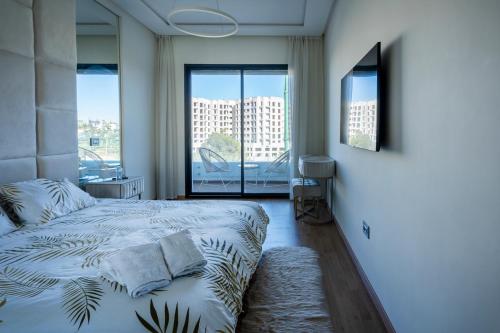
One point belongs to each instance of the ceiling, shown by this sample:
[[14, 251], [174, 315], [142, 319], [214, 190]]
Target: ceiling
[[94, 19], [255, 17]]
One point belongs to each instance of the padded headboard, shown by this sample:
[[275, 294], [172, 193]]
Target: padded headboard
[[38, 120]]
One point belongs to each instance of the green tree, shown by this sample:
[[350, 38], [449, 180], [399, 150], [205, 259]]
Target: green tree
[[224, 145]]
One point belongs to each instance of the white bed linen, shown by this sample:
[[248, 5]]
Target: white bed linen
[[49, 274]]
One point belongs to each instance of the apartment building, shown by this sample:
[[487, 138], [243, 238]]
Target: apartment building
[[264, 124], [362, 118]]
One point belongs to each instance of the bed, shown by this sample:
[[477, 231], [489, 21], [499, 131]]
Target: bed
[[49, 273]]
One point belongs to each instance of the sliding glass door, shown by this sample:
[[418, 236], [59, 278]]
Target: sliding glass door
[[265, 125], [215, 143], [237, 135]]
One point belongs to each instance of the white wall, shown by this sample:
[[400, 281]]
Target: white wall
[[432, 194], [137, 59], [92, 49], [233, 50]]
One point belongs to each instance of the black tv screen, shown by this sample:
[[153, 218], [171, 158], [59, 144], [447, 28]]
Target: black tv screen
[[360, 103]]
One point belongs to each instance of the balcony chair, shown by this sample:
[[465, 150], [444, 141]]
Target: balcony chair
[[214, 163], [93, 164], [278, 167]]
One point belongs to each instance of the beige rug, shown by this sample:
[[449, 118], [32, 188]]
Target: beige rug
[[286, 294]]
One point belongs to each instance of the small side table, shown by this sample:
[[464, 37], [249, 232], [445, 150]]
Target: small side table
[[316, 167], [129, 188], [251, 166]]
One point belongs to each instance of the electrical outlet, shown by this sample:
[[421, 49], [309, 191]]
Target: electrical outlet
[[366, 229]]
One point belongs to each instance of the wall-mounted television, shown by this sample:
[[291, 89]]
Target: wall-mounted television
[[360, 103]]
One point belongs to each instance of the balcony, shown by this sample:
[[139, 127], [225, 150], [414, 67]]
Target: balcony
[[260, 177]]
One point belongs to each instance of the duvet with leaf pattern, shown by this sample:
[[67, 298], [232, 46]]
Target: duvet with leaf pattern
[[49, 273]]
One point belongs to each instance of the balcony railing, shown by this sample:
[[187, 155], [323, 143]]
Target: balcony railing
[[258, 178]]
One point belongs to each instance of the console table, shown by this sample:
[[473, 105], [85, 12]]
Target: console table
[[316, 167]]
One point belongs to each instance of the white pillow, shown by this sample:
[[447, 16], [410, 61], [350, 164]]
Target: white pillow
[[41, 200], [29, 201], [79, 199], [6, 225]]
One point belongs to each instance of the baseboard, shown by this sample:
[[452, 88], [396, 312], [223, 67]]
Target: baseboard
[[373, 295]]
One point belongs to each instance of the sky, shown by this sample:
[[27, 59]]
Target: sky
[[228, 86], [98, 97], [364, 88]]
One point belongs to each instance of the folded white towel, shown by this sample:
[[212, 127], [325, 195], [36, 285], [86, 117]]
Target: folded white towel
[[181, 254], [141, 269]]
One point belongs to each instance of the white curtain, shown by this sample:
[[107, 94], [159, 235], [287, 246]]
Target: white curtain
[[166, 134], [306, 99]]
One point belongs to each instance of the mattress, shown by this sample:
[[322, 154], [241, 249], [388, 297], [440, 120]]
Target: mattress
[[49, 273]]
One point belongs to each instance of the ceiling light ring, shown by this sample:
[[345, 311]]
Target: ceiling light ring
[[205, 10]]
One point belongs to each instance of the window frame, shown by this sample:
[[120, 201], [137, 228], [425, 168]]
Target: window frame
[[188, 69]]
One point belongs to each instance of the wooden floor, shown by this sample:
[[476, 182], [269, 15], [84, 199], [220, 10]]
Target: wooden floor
[[349, 303]]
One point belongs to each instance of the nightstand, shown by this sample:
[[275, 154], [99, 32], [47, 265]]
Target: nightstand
[[129, 188]]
